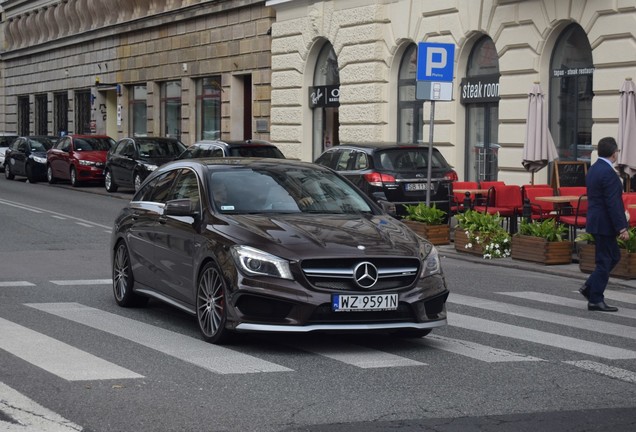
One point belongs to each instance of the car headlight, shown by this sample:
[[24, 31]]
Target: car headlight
[[255, 262], [39, 159], [87, 163], [149, 167], [431, 263]]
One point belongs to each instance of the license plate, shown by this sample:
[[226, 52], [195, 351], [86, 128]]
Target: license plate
[[416, 186], [363, 302]]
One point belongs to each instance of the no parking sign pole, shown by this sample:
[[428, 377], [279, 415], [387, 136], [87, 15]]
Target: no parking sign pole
[[434, 75]]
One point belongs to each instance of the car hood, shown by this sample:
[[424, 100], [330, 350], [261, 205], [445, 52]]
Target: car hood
[[41, 154], [92, 155], [304, 235]]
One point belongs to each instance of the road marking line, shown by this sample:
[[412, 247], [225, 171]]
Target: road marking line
[[52, 213], [547, 316], [355, 355], [58, 217], [85, 225], [20, 206], [564, 301], [195, 351], [610, 371], [57, 357], [15, 284], [28, 415], [474, 350], [83, 282], [539, 337]]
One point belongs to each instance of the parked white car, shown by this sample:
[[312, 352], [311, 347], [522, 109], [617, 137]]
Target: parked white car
[[6, 139]]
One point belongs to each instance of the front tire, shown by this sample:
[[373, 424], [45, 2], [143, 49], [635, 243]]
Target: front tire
[[212, 305], [7, 172], [123, 281], [137, 181], [29, 172], [109, 183], [49, 175], [73, 177]]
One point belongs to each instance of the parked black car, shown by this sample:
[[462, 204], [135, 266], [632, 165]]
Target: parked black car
[[273, 245], [26, 157], [393, 172], [130, 161], [246, 148]]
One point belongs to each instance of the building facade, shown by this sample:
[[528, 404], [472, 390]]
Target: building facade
[[192, 69], [344, 71], [309, 74]]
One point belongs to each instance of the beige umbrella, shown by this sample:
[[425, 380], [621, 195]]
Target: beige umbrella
[[538, 147], [627, 128]]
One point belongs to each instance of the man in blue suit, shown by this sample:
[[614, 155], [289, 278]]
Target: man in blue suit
[[605, 220]]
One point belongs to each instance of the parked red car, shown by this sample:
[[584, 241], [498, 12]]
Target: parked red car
[[78, 158]]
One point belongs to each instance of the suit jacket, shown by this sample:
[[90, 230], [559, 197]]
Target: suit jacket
[[605, 210]]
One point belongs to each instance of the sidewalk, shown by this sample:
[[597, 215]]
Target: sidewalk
[[566, 270]]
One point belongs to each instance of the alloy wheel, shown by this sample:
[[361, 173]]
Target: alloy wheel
[[211, 305], [137, 182], [73, 176], [123, 280], [109, 183], [49, 175]]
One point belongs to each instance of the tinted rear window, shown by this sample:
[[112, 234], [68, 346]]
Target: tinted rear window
[[256, 151], [413, 159]]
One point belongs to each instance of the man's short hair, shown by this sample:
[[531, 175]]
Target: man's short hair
[[606, 147]]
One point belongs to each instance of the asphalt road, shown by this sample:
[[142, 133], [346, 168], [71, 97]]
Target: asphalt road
[[520, 352]]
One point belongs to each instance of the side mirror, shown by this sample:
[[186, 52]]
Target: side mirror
[[180, 207], [388, 207]]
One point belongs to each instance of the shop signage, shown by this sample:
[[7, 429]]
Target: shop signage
[[479, 89], [324, 96], [566, 72]]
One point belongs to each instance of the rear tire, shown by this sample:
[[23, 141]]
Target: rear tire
[[109, 183], [49, 175]]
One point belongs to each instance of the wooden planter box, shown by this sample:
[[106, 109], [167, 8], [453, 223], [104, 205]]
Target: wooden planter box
[[539, 250], [436, 234], [625, 269], [461, 240]]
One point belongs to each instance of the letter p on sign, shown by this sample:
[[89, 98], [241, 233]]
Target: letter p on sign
[[435, 62]]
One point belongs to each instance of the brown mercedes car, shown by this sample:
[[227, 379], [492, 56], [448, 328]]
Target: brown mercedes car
[[273, 245]]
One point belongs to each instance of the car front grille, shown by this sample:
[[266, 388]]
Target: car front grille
[[338, 274]]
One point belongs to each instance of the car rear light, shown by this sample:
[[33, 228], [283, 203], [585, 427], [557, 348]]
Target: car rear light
[[378, 179], [451, 175]]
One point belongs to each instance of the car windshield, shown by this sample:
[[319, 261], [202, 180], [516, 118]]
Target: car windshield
[[257, 151], [160, 148], [40, 144], [411, 159], [90, 144], [283, 189]]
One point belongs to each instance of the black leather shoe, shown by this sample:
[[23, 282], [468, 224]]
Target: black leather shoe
[[585, 291], [601, 306]]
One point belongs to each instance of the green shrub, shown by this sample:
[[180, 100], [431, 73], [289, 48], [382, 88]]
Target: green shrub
[[547, 229], [486, 230], [425, 214], [629, 245]]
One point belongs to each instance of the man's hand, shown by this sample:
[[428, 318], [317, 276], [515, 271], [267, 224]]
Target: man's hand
[[624, 235], [305, 202]]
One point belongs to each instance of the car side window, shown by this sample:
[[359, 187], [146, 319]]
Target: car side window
[[23, 146], [345, 160], [187, 187], [16, 144], [361, 161], [161, 191]]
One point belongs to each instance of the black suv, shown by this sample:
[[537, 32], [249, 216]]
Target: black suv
[[246, 148], [393, 172]]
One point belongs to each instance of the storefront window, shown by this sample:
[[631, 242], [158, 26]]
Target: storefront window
[[571, 76], [24, 113], [171, 108], [139, 110], [409, 109], [479, 92], [209, 108], [83, 112], [324, 98]]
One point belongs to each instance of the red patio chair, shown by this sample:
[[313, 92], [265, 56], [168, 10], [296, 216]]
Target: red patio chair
[[540, 210], [576, 218], [508, 202], [457, 198], [630, 198], [489, 185]]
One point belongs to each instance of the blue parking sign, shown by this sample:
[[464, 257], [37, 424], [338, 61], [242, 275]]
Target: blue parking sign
[[435, 62]]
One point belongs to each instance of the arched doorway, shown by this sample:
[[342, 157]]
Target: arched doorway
[[479, 92], [324, 100], [410, 123], [571, 74]]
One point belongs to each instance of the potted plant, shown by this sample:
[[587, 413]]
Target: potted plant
[[542, 242], [481, 234], [626, 267], [428, 222]]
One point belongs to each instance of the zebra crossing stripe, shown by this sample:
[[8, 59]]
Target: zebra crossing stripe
[[474, 350], [57, 357], [547, 316], [578, 303], [356, 355], [28, 415], [15, 284], [195, 351], [610, 371], [82, 282], [539, 337]]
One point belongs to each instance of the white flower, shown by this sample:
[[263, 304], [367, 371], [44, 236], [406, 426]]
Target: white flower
[[468, 245]]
